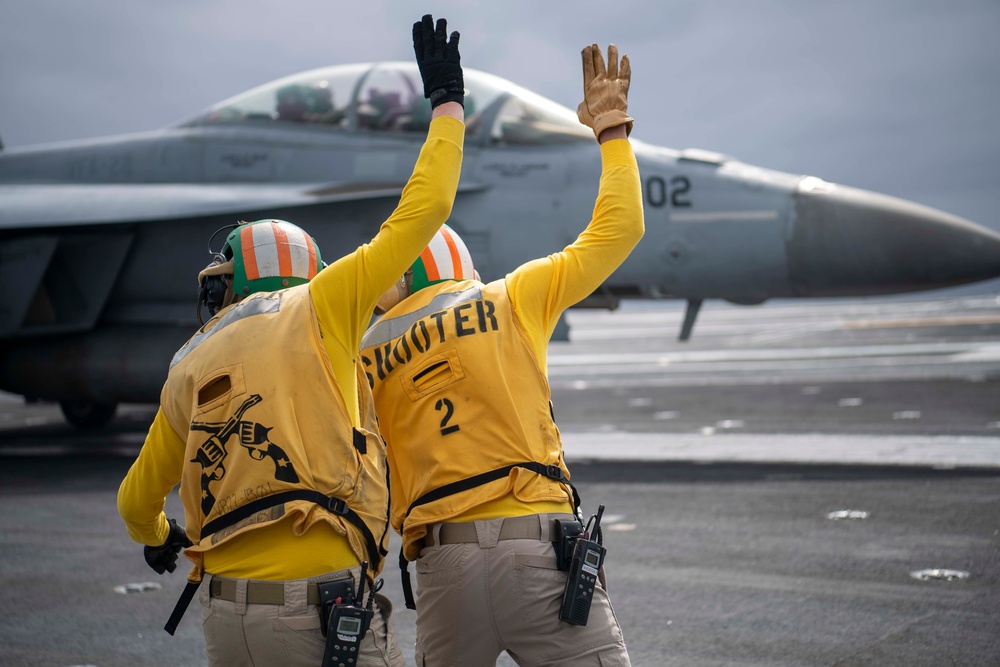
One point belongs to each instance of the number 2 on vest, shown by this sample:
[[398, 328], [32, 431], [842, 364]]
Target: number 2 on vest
[[449, 411]]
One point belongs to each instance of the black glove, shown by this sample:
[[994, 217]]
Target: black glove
[[164, 557], [439, 61]]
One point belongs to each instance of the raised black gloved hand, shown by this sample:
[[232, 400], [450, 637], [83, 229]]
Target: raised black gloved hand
[[164, 557], [439, 61]]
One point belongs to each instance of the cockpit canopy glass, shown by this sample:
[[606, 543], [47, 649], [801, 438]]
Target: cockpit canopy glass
[[388, 98]]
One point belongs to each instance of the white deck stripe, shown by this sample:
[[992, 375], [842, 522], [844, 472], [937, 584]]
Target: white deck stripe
[[936, 451]]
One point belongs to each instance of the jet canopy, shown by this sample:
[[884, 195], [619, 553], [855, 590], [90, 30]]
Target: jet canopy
[[388, 98]]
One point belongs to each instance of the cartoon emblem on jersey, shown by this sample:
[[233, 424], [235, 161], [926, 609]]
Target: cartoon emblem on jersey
[[253, 436]]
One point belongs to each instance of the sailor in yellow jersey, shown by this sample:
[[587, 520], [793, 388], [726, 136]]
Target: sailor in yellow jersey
[[266, 418], [458, 373]]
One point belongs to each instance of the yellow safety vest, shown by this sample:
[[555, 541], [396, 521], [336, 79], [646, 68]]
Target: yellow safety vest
[[268, 432], [460, 393]]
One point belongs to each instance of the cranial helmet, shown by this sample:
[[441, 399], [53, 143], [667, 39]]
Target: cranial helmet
[[261, 256], [269, 255], [445, 258]]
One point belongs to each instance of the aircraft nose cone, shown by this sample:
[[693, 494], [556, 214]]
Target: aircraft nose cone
[[850, 242]]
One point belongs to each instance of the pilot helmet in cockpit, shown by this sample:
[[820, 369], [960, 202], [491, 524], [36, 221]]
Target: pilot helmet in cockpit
[[303, 103]]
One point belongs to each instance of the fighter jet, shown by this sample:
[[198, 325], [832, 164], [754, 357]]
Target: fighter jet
[[101, 240]]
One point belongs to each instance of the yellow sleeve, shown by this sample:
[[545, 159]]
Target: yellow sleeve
[[345, 293], [144, 490], [542, 289]]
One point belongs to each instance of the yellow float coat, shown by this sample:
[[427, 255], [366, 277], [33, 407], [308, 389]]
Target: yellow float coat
[[483, 368], [458, 369], [263, 424]]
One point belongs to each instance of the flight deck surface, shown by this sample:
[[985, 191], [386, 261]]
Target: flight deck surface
[[800, 484]]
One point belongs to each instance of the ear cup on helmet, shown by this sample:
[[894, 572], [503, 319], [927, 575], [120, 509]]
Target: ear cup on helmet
[[213, 293], [213, 286]]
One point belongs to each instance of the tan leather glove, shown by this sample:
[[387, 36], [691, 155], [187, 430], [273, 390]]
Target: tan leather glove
[[605, 92]]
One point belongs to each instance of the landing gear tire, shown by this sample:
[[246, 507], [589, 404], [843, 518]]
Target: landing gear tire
[[88, 415]]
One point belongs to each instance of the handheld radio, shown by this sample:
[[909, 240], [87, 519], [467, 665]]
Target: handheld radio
[[588, 556], [345, 619], [564, 534]]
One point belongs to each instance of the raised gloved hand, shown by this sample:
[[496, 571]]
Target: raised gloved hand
[[439, 61], [605, 92], [164, 557]]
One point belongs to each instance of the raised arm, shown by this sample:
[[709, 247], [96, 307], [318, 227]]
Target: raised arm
[[345, 293], [543, 288]]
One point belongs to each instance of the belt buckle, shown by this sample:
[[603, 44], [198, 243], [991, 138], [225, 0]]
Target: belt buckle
[[552, 471]]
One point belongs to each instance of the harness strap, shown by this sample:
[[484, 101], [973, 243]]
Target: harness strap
[[335, 505], [553, 472], [182, 604], [404, 574]]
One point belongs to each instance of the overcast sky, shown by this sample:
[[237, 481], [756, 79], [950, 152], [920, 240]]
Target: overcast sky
[[896, 96]]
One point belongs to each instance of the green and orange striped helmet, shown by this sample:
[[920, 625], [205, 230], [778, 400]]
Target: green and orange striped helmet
[[445, 258], [269, 255]]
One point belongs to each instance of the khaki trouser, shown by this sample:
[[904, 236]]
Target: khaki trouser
[[239, 634], [475, 600]]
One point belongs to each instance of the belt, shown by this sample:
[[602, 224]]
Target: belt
[[514, 528], [258, 592]]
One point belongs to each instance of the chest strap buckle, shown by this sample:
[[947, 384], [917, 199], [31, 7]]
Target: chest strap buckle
[[337, 506], [553, 471]]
